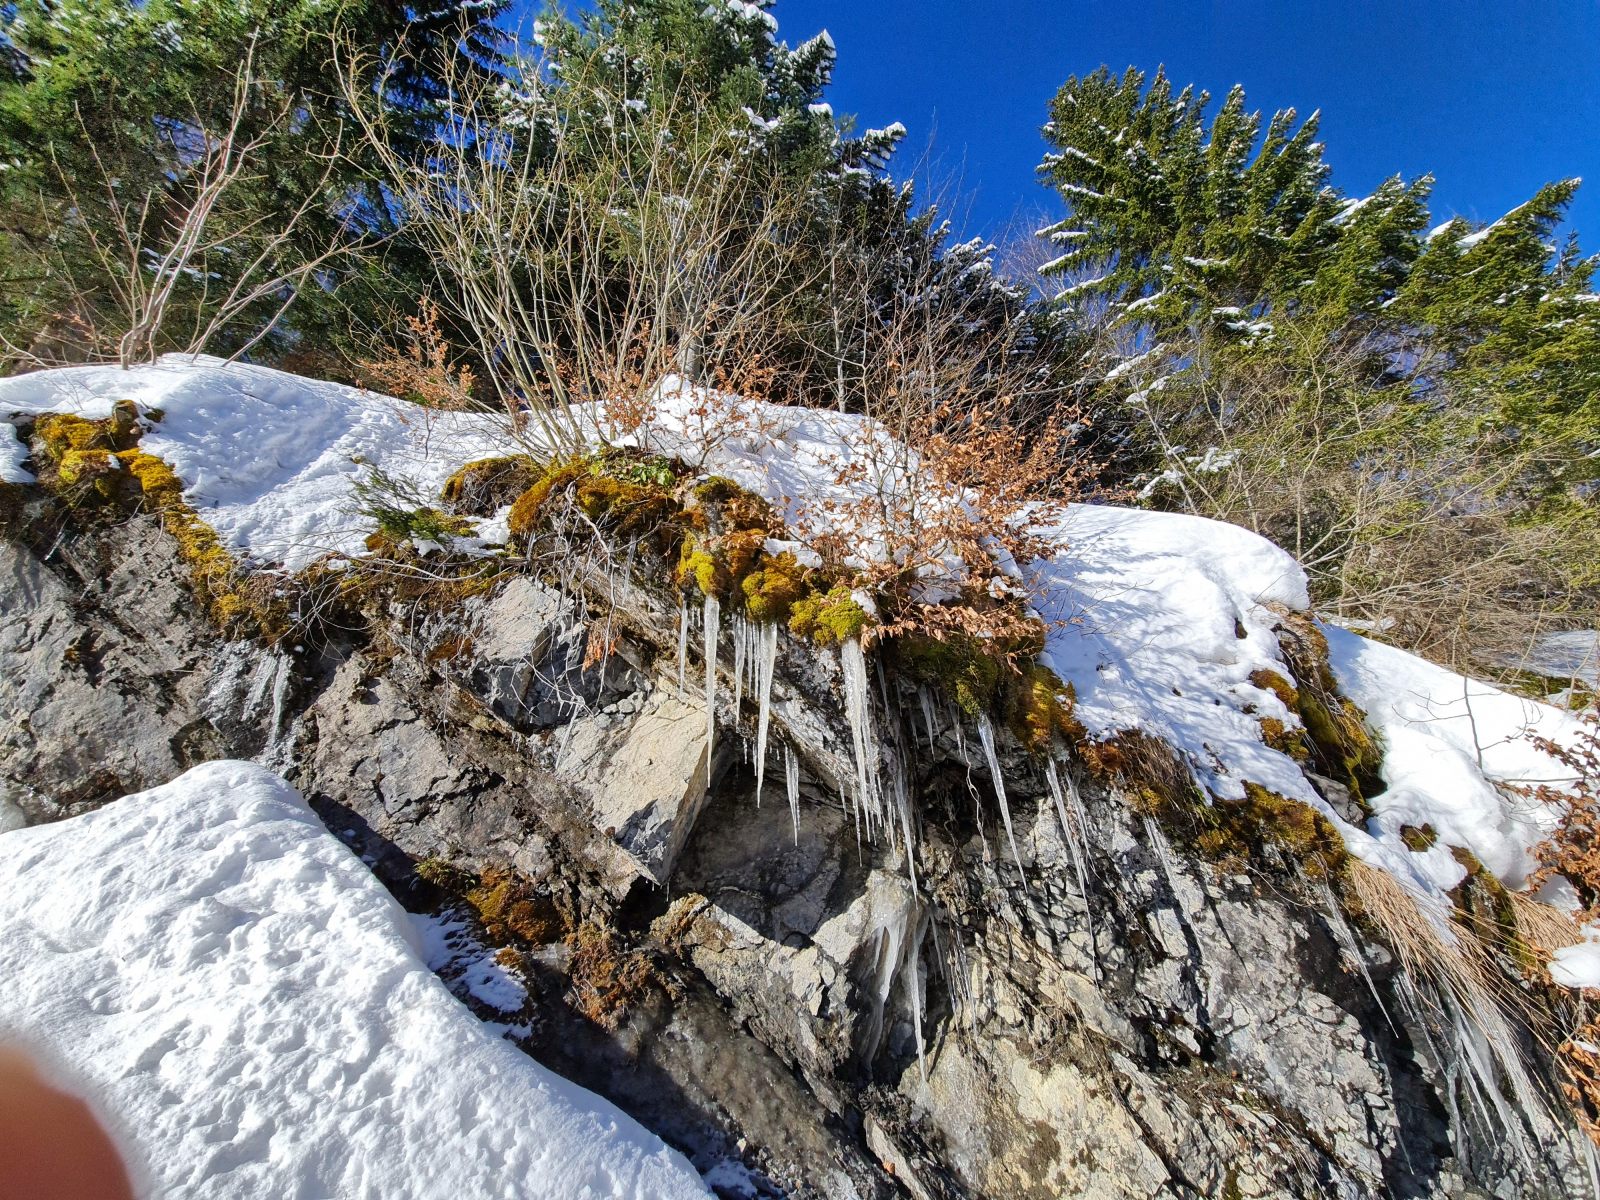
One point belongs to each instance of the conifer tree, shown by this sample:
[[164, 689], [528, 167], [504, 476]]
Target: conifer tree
[[109, 103], [1416, 414]]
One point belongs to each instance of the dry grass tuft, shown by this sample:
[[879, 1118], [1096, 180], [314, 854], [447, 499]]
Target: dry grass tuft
[[1476, 996], [1543, 928]]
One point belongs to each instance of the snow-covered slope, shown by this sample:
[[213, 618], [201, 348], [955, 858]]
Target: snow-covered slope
[[247, 1007], [1158, 620], [268, 459], [1448, 741]]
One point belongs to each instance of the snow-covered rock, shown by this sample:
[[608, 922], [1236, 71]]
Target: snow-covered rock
[[247, 1007], [268, 459], [1110, 984], [1158, 619]]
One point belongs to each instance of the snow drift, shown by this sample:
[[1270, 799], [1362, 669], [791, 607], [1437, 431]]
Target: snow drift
[[247, 1006]]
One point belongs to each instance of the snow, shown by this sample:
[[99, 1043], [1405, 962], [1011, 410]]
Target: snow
[[268, 459], [248, 1006], [13, 454], [1146, 612], [1577, 966], [1570, 654], [1448, 741], [1349, 208]]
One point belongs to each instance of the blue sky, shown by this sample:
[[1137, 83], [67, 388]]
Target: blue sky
[[1494, 99]]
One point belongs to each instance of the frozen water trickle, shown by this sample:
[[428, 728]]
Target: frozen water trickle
[[1075, 833], [791, 777], [712, 617], [1158, 842], [986, 736]]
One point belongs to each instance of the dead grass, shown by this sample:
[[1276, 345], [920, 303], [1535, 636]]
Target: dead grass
[[607, 977], [1543, 928]]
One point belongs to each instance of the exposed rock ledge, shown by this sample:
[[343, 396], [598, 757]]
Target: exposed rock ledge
[[1183, 1033]]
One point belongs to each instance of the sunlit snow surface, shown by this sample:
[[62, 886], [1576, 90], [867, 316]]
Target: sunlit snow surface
[[1158, 620], [267, 458], [247, 1007]]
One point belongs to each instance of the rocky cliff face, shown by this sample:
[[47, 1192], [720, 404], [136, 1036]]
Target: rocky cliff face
[[1112, 1015]]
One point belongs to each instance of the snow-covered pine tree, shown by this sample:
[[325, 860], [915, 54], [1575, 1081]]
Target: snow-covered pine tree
[[1394, 404], [1177, 222]]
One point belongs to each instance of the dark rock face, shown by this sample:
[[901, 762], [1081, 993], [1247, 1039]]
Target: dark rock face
[[996, 1030], [110, 680]]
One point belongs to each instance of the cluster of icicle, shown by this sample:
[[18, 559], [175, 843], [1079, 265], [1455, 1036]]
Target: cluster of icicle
[[879, 796], [755, 655]]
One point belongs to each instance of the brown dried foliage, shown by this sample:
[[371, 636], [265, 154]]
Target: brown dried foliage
[[606, 976], [1573, 850], [421, 368], [1578, 1060]]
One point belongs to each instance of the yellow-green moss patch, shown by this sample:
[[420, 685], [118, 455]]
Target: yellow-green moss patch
[[830, 617], [482, 487]]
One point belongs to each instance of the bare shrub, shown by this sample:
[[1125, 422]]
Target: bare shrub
[[1404, 522], [589, 244], [185, 265]]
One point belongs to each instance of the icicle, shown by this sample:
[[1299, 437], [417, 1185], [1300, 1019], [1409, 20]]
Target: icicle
[[683, 648], [271, 753], [1347, 942], [914, 986], [986, 736], [1158, 841], [712, 614], [765, 653], [902, 803], [266, 671], [1075, 834], [791, 779], [740, 649], [858, 713]]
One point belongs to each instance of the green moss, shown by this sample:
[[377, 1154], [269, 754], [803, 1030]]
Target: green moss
[[1335, 734], [1039, 708], [772, 590], [716, 490], [828, 618], [1485, 906], [1298, 829], [234, 603], [1282, 738], [510, 909], [444, 875], [698, 566], [483, 486], [957, 665], [1263, 827], [616, 503], [99, 459], [528, 510], [1419, 837], [1271, 681]]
